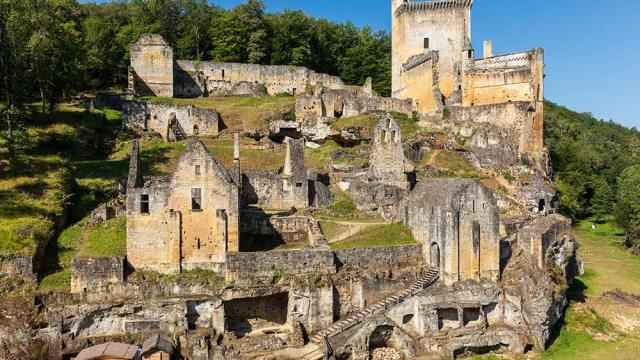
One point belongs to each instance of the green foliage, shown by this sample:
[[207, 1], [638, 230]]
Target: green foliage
[[106, 239], [342, 204], [588, 155], [377, 236], [507, 176], [628, 197]]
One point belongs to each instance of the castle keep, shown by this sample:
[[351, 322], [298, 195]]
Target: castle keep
[[434, 63]]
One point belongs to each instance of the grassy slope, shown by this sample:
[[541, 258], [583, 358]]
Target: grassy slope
[[377, 235], [368, 123], [594, 326], [41, 186]]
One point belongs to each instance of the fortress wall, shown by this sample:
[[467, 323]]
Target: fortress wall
[[156, 116], [245, 266], [152, 66], [93, 274], [503, 114], [390, 257], [421, 84], [223, 77]]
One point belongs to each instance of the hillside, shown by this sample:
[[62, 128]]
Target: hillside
[[588, 156]]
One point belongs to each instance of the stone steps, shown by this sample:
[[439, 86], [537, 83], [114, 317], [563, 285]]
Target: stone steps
[[353, 320]]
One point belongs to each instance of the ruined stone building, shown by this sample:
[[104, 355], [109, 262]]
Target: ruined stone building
[[457, 222], [332, 104], [285, 190], [172, 121], [434, 63], [387, 163], [185, 221], [154, 72]]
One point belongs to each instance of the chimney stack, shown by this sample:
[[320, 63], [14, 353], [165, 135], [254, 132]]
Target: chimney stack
[[488, 49], [236, 159]]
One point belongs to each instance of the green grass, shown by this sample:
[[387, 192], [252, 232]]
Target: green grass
[[321, 157], [38, 184], [455, 165], [106, 239], [376, 236], [331, 230], [56, 272], [588, 332], [367, 123], [607, 262], [342, 204]]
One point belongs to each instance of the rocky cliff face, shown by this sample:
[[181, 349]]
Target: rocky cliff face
[[535, 297]]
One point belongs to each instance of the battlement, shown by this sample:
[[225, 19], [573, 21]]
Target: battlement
[[408, 6], [512, 60]]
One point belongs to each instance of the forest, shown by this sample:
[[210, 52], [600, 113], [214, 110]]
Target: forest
[[53, 49]]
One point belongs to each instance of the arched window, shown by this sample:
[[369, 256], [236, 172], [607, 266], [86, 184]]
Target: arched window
[[196, 130], [383, 136]]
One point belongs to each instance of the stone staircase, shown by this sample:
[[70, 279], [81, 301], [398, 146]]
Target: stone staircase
[[340, 326], [176, 128]]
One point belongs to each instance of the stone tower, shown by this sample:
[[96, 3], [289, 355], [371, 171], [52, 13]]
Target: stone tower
[[294, 175], [421, 27], [151, 71], [387, 162]]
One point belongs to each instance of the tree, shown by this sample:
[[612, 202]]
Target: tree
[[602, 200], [627, 209]]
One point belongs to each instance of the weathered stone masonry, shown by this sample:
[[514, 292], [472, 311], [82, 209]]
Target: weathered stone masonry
[[154, 72]]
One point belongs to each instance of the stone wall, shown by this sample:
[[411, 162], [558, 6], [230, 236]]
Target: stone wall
[[242, 79], [243, 267], [387, 162], [335, 104], [457, 222], [262, 231], [502, 134], [154, 116], [187, 220], [22, 265], [280, 191], [537, 237], [95, 274], [390, 257]]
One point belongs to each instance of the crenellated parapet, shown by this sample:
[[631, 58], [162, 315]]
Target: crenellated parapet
[[408, 6]]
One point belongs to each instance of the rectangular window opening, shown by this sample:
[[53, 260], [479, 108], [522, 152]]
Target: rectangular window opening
[[144, 203], [196, 199], [426, 43], [197, 169]]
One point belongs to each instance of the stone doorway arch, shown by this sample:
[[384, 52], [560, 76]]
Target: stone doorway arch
[[434, 256]]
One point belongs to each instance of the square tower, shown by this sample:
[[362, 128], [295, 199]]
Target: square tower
[[419, 27]]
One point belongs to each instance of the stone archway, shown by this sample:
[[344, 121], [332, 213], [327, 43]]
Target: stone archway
[[434, 256], [384, 342]]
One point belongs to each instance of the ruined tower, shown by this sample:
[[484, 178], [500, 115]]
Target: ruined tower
[[387, 162], [419, 28], [294, 177], [151, 71]]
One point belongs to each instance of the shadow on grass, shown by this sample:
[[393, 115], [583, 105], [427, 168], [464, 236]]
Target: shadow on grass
[[575, 293]]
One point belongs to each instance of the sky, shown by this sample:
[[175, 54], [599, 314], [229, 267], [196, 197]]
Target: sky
[[591, 46]]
